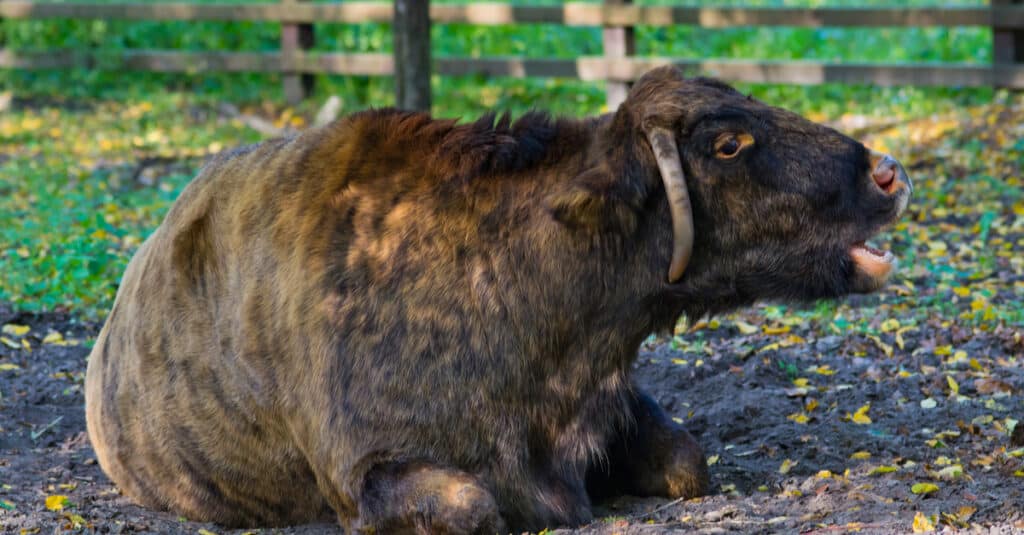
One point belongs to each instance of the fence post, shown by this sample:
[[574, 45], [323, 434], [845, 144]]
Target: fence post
[[294, 38], [412, 54], [619, 42], [1007, 43]]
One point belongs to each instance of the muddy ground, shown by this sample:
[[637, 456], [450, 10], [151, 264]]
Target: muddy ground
[[788, 449]]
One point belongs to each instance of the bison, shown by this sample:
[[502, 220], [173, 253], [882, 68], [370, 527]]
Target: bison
[[418, 325]]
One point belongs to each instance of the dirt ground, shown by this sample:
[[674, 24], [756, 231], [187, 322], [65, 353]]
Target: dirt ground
[[791, 447]]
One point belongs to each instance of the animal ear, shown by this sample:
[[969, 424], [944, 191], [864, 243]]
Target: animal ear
[[192, 250], [589, 202]]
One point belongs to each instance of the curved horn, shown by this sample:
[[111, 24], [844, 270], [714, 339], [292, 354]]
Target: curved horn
[[666, 152]]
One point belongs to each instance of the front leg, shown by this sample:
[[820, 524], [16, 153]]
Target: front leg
[[653, 456], [422, 498]]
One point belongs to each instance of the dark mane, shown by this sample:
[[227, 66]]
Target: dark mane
[[493, 145]]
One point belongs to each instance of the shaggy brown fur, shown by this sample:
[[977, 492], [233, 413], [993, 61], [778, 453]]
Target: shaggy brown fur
[[419, 325]]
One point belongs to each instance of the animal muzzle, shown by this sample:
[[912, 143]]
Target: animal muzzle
[[891, 178]]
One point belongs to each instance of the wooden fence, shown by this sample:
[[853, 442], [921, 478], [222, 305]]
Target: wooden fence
[[618, 66]]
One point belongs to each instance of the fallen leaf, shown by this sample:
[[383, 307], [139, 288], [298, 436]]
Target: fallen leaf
[[886, 348], [884, 469], [988, 386], [798, 417], [7, 366], [57, 502], [922, 524], [924, 488], [951, 472], [861, 455], [787, 465], [928, 403], [14, 329], [54, 337], [861, 416], [745, 328], [964, 513]]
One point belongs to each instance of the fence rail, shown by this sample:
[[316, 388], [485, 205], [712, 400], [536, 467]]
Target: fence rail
[[617, 66], [490, 13]]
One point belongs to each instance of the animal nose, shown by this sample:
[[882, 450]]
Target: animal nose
[[889, 175]]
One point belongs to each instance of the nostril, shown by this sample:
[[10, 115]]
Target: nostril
[[884, 176]]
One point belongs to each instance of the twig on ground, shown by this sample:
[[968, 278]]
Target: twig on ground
[[36, 434]]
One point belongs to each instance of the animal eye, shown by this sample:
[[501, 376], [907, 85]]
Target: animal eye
[[729, 145]]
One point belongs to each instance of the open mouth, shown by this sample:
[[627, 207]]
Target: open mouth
[[874, 262]]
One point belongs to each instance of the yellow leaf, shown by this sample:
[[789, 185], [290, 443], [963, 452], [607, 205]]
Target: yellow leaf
[[776, 330], [861, 455], [7, 366], [943, 351], [861, 416], [922, 524], [798, 417], [745, 328], [823, 370], [54, 337], [886, 348], [23, 252], [811, 405], [680, 362], [890, 325], [787, 465], [965, 512], [712, 460], [800, 381], [15, 330], [825, 474], [9, 343], [924, 488], [953, 386], [950, 473], [962, 291], [884, 469], [56, 502]]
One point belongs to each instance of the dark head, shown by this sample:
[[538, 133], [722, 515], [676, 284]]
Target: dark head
[[762, 203]]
